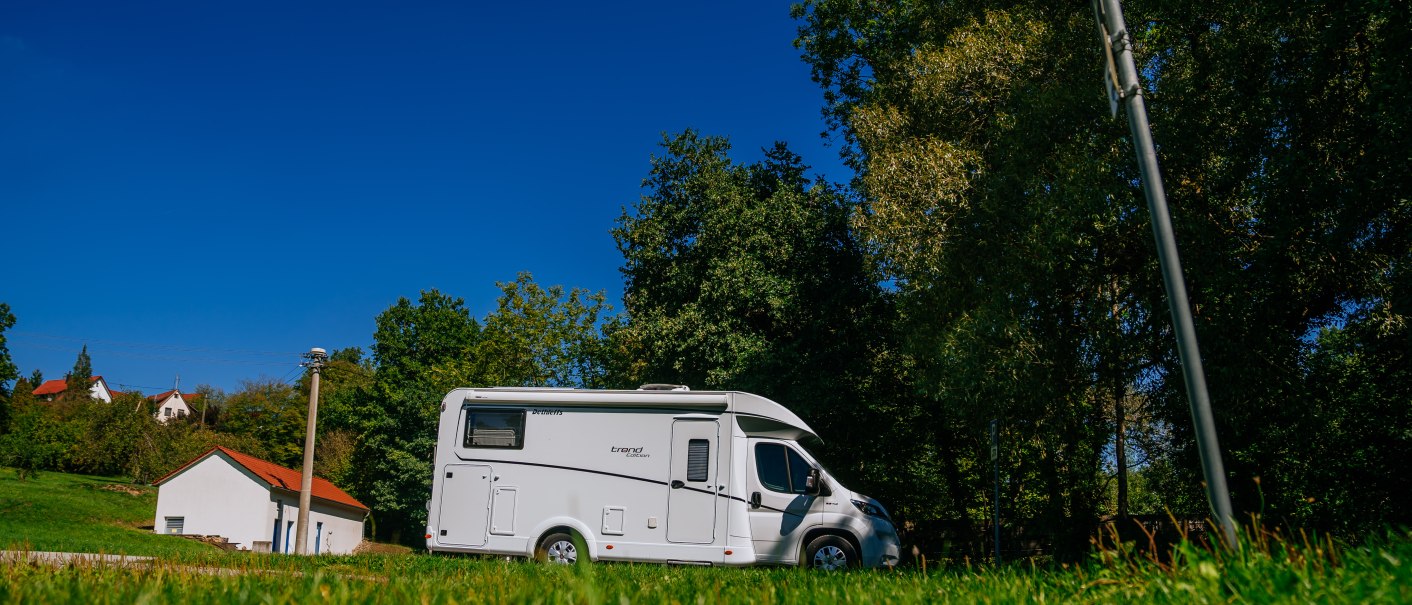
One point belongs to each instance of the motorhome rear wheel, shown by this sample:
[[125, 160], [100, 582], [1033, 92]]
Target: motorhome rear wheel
[[558, 548]]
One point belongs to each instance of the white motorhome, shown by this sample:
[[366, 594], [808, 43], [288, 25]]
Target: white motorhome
[[672, 476]]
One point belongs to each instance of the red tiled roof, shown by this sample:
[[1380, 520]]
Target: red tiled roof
[[58, 385], [274, 475], [52, 387], [160, 397]]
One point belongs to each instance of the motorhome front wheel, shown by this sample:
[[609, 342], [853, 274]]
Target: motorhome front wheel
[[830, 553]]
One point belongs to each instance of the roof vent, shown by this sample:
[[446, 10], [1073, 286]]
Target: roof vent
[[664, 387]]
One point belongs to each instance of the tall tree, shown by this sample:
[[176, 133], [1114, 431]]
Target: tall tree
[[80, 379], [748, 277], [1004, 203], [271, 412], [997, 223], [542, 337], [209, 404], [396, 422], [8, 371]]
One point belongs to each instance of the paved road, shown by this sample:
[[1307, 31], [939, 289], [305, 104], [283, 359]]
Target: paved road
[[59, 559]]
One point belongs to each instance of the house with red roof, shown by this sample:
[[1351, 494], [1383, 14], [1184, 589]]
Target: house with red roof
[[51, 389], [254, 504], [173, 404]]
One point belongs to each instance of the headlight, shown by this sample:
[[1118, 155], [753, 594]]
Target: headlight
[[872, 510]]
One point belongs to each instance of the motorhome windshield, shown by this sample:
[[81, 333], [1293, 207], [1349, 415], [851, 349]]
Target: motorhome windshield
[[817, 461]]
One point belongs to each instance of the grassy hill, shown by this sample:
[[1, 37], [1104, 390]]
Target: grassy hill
[[79, 513]]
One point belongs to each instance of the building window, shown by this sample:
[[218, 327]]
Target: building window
[[176, 525], [495, 428], [167, 412]]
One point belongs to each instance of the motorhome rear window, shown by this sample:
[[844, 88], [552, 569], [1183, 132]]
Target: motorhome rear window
[[495, 428]]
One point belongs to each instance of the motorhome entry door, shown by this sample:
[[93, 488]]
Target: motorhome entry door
[[691, 500], [465, 504]]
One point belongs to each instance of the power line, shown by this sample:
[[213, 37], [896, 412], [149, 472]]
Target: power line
[[155, 352], [20, 335]]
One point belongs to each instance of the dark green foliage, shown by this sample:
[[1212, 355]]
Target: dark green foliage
[[1353, 477], [207, 408], [22, 394], [271, 413], [353, 355], [412, 338], [110, 435], [80, 378], [1004, 203], [989, 190], [120, 439], [539, 337], [397, 419], [8, 371], [39, 439], [1283, 146], [748, 277]]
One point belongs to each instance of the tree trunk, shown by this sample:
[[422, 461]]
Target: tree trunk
[[1120, 453]]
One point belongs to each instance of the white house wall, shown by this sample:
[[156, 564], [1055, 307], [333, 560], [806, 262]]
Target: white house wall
[[178, 406], [342, 527], [99, 391], [216, 498]]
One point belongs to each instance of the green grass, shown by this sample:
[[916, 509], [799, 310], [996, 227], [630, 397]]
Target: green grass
[[1374, 574], [75, 513], [1267, 569]]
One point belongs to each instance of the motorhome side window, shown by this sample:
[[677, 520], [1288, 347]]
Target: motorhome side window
[[495, 428], [698, 460], [780, 469]]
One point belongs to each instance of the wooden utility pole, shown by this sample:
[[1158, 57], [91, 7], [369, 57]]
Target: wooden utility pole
[[316, 357]]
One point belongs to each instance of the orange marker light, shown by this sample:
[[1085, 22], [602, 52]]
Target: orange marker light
[[428, 536], [610, 547], [728, 553]]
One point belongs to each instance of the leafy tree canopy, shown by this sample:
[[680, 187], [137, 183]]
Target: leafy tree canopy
[[8, 371], [1004, 203]]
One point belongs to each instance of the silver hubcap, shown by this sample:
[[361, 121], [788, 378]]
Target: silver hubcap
[[830, 558], [563, 552]]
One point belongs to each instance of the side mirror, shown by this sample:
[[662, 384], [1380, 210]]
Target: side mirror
[[755, 500], [813, 485]]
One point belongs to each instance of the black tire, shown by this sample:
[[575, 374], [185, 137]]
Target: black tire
[[560, 548], [830, 553]]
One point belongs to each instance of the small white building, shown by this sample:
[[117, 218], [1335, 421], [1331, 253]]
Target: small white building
[[51, 389], [254, 504], [173, 404]]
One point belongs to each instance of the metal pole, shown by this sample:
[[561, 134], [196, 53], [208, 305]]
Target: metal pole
[[1130, 91], [995, 461], [316, 358]]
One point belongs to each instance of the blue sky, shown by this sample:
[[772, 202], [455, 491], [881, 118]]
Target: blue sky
[[208, 189]]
